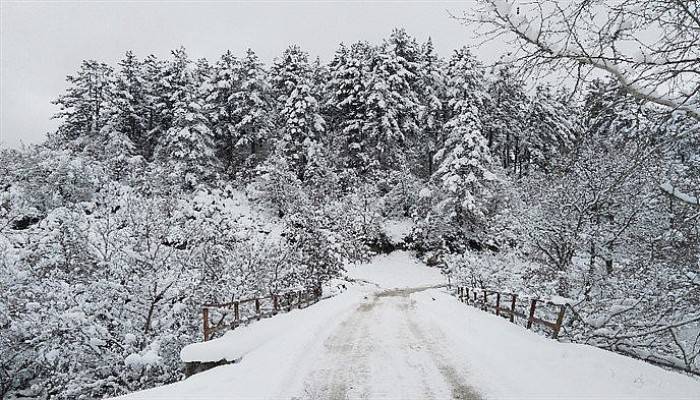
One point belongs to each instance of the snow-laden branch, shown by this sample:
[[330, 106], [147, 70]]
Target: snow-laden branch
[[677, 194], [583, 34]]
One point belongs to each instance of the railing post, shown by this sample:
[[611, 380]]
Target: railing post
[[474, 302], [275, 304], [299, 299], [257, 308], [512, 307], [560, 319], [498, 303], [486, 301], [236, 314], [531, 318], [205, 323], [466, 297]]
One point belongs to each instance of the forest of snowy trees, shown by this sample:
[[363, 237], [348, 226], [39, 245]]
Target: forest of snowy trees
[[174, 182]]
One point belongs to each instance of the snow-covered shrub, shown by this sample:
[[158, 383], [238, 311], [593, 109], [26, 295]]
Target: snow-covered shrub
[[99, 296], [278, 187], [401, 199], [42, 180], [504, 271]]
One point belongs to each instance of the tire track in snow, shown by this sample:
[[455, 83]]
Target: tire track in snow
[[381, 352], [436, 344], [341, 375]]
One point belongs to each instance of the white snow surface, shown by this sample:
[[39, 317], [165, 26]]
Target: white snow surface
[[400, 339], [239, 342], [397, 230], [399, 269]]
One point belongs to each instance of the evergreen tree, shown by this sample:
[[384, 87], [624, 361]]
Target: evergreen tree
[[464, 172], [130, 112], [288, 71], [188, 144], [224, 83], [392, 106], [406, 50], [320, 75], [84, 107], [433, 97], [464, 169], [252, 112], [609, 113], [300, 123], [155, 93], [504, 119], [551, 129], [347, 87]]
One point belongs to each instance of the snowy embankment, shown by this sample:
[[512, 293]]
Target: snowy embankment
[[390, 340], [237, 343], [507, 361]]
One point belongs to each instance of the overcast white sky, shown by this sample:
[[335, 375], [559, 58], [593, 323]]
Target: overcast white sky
[[42, 42]]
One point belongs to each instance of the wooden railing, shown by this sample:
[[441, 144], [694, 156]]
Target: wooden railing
[[245, 310], [505, 305]]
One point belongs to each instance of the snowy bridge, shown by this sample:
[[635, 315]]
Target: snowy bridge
[[399, 337]]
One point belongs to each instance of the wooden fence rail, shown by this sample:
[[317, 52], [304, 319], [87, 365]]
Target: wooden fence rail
[[505, 305], [244, 310]]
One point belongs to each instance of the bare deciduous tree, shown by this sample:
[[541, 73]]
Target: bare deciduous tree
[[651, 47]]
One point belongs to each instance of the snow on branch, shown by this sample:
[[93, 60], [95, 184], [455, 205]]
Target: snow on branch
[[579, 36], [675, 193]]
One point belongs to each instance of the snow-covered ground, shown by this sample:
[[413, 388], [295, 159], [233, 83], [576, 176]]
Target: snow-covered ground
[[397, 230], [389, 340], [396, 270]]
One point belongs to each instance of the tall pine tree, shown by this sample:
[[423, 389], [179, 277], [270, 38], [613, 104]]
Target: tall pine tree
[[188, 144], [464, 172], [300, 122]]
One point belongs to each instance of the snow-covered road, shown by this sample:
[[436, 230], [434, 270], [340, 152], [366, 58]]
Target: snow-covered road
[[396, 336], [383, 350]]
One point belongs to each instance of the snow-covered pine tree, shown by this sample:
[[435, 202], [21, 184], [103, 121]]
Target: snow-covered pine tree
[[155, 93], [320, 75], [504, 118], [347, 104], [300, 122], [464, 171], [224, 82], [188, 144], [203, 72], [338, 86], [129, 116], [288, 71], [252, 113], [392, 105], [431, 87], [405, 47], [84, 107], [611, 114], [551, 131]]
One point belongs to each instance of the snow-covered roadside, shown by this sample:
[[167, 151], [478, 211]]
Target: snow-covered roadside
[[507, 361], [277, 353], [390, 341], [273, 348]]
